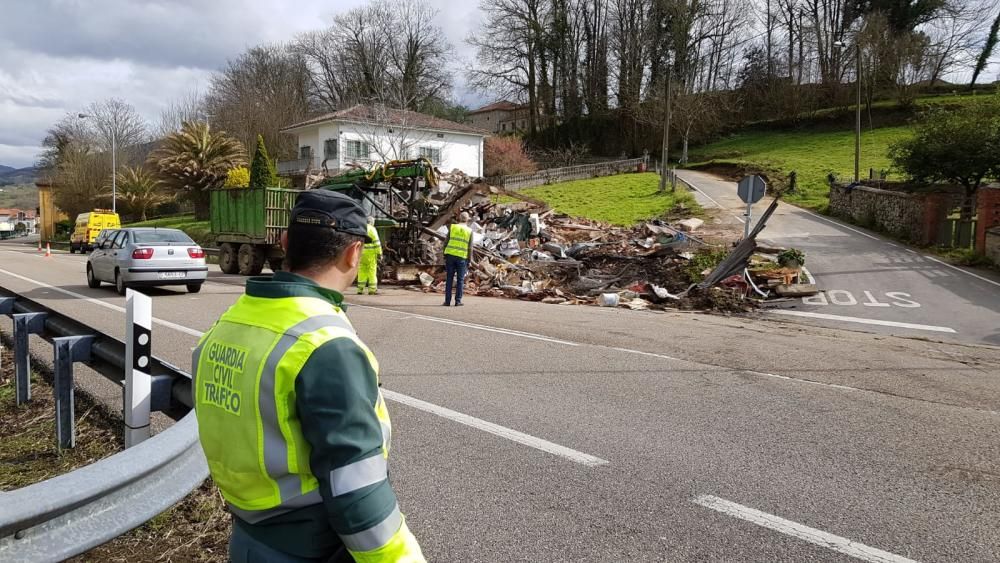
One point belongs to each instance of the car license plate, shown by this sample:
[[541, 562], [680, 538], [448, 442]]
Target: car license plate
[[172, 275]]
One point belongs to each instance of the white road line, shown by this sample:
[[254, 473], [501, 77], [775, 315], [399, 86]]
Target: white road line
[[100, 303], [719, 205], [799, 531], [641, 353], [496, 429], [839, 224], [841, 318], [820, 383], [506, 331], [519, 437], [966, 272]]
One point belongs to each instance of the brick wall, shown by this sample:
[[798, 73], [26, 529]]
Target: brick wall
[[900, 214], [992, 244], [988, 207]]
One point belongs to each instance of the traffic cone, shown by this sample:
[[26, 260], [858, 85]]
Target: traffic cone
[[48, 250]]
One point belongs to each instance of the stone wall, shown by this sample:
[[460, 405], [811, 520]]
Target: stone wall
[[993, 244], [899, 214]]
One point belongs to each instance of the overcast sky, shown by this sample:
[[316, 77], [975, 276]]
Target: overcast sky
[[57, 56]]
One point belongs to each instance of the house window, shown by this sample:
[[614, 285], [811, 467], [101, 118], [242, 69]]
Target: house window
[[357, 150], [503, 126], [330, 149], [432, 154], [305, 152], [440, 135]]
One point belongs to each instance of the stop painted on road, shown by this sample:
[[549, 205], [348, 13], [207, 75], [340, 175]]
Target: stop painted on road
[[845, 298]]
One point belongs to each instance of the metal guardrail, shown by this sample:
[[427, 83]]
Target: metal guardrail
[[69, 514]]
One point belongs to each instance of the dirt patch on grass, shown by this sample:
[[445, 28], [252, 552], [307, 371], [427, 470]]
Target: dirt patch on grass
[[28, 451], [195, 529]]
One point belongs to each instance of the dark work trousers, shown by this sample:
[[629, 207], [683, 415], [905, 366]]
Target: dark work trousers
[[243, 548], [454, 266]]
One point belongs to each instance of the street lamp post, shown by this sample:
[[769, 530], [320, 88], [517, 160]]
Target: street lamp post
[[114, 167], [857, 120]]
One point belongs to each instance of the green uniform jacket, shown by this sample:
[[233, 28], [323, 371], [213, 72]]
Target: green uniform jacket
[[335, 392]]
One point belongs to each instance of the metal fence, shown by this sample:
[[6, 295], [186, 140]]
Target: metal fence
[[567, 173], [69, 514]]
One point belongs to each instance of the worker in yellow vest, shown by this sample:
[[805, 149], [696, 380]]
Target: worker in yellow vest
[[290, 416], [368, 271], [457, 253]]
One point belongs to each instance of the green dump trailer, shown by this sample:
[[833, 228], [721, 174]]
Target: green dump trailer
[[247, 224]]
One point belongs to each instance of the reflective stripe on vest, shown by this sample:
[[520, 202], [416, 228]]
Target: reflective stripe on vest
[[260, 481], [373, 234], [459, 239]]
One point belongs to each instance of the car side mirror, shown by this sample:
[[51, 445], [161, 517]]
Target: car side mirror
[[105, 245]]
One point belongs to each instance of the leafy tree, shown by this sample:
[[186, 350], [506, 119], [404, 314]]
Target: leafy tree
[[238, 177], [960, 146], [195, 160], [262, 173], [139, 191]]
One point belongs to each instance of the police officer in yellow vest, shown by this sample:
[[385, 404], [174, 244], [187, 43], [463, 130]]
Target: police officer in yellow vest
[[457, 253], [368, 271], [290, 415]]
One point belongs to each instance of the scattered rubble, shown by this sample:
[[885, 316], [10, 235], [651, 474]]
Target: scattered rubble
[[525, 250]]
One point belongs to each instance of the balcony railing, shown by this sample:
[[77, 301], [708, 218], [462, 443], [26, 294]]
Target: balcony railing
[[292, 167]]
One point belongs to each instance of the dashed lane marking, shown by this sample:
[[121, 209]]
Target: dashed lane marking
[[799, 531], [496, 429]]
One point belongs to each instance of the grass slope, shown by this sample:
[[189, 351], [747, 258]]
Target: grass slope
[[197, 230], [812, 155], [625, 199]]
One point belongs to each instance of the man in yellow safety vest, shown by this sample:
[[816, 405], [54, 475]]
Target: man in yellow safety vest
[[290, 416], [457, 253], [368, 271]]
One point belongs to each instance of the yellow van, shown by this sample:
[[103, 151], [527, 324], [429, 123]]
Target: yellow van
[[88, 226]]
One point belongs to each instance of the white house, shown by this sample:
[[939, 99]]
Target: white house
[[365, 134]]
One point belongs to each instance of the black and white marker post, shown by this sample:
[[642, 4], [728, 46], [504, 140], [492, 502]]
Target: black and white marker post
[[138, 351]]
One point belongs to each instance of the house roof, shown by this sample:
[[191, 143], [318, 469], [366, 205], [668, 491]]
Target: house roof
[[389, 116], [502, 105]]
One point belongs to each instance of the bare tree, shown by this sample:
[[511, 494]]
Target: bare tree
[[392, 134], [260, 92], [379, 53], [187, 108]]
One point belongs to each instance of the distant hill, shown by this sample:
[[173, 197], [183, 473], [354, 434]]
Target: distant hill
[[10, 176]]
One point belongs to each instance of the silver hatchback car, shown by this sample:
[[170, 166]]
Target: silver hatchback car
[[135, 257]]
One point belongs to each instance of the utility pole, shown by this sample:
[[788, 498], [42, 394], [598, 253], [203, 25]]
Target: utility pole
[[665, 154], [857, 122]]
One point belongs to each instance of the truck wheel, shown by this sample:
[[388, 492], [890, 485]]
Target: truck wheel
[[251, 260], [227, 259]]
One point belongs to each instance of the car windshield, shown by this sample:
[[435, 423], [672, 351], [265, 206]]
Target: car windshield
[[164, 236]]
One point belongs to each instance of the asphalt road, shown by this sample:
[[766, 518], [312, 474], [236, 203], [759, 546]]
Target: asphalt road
[[531, 432], [869, 282]]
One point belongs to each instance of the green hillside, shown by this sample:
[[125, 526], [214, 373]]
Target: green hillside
[[812, 155]]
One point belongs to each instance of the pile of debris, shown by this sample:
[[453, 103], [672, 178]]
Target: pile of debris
[[525, 250]]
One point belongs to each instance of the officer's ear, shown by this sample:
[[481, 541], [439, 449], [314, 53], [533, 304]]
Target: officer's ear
[[352, 254]]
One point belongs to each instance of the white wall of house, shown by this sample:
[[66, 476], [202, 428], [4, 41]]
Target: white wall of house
[[447, 150]]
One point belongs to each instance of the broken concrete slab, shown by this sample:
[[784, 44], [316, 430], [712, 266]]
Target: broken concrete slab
[[796, 290], [690, 225]]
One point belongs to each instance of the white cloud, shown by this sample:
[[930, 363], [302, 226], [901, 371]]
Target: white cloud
[[58, 56]]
